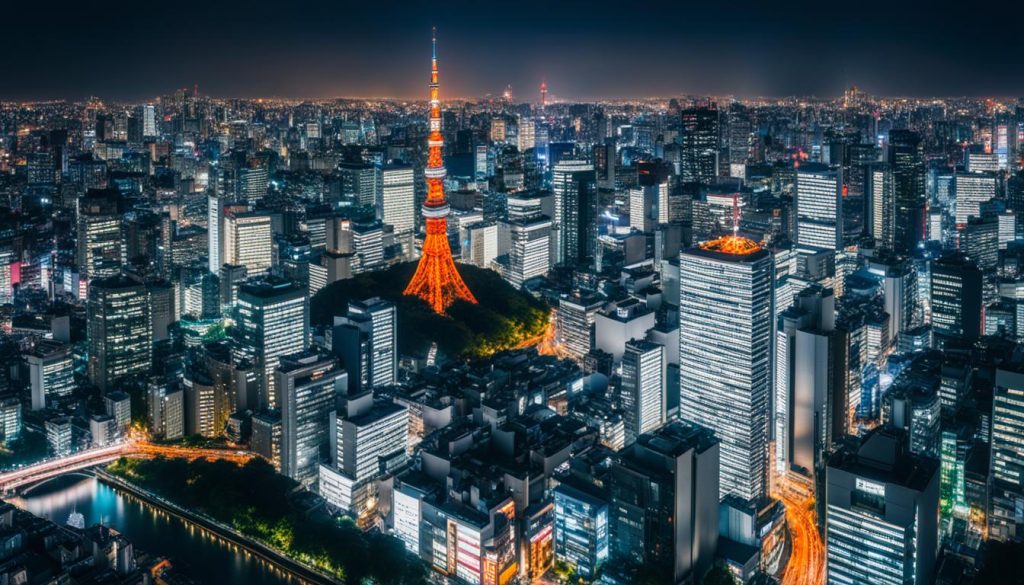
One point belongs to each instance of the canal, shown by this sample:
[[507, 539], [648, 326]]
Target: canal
[[194, 552]]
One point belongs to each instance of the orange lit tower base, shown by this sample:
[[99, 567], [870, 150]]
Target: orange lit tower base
[[436, 280]]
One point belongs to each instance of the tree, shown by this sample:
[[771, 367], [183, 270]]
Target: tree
[[719, 574]]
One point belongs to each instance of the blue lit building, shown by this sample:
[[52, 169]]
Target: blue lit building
[[581, 527]]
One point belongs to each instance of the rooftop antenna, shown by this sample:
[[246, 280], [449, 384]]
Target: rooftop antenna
[[735, 214]]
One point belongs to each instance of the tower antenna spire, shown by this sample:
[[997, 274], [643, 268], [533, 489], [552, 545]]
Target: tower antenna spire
[[436, 280]]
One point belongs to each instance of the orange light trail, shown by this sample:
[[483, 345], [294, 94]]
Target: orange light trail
[[806, 565], [436, 280]]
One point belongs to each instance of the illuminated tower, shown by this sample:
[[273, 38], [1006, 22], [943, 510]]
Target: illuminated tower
[[543, 94], [436, 280]]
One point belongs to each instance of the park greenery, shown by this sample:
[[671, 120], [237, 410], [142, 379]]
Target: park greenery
[[256, 502], [504, 317]]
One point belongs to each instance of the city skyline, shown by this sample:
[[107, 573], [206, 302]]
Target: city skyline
[[519, 340], [324, 50]]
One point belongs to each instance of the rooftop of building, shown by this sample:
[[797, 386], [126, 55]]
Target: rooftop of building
[[115, 282], [380, 410], [884, 456], [270, 287], [731, 245]]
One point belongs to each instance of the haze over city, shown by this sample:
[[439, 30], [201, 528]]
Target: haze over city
[[584, 49]]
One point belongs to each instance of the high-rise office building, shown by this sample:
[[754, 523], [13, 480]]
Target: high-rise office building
[[166, 411], [574, 225], [273, 321], [575, 324], [51, 372], [59, 436], [970, 191], [359, 181], [881, 513], [214, 233], [899, 290], [725, 348], [11, 422], [396, 204], [100, 245], [664, 501], [367, 440], [819, 207], [251, 184], [956, 298], [526, 246], [527, 133], [366, 340], [643, 388], [266, 436], [118, 330], [149, 121], [905, 155], [880, 193], [1006, 466], [700, 144], [479, 242], [200, 403], [581, 527], [309, 385], [118, 405], [248, 241], [810, 382]]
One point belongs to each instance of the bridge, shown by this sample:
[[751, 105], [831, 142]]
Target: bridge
[[15, 479]]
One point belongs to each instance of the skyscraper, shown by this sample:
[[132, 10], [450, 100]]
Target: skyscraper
[[309, 385], [664, 501], [906, 157], [881, 514], [581, 527], [100, 244], [810, 388], [526, 242], [366, 341], [248, 241], [273, 321], [1006, 468], [367, 439], [956, 298], [396, 204], [700, 143], [51, 372], [359, 181], [643, 388], [118, 330], [214, 233], [725, 332], [819, 207], [575, 323], [970, 191], [574, 226], [880, 193]]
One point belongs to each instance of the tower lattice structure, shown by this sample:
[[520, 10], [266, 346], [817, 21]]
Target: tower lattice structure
[[436, 281]]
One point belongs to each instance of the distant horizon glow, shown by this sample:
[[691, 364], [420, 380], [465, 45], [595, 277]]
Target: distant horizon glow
[[585, 51]]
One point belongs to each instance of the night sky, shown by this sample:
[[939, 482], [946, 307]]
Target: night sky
[[584, 49]]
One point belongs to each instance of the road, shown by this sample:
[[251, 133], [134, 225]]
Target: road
[[806, 564]]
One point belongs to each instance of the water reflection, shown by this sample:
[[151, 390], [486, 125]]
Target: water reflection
[[199, 554]]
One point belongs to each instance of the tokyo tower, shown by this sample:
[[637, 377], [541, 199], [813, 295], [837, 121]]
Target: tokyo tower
[[436, 280]]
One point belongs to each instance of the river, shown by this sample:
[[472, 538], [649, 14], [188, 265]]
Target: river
[[195, 553]]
